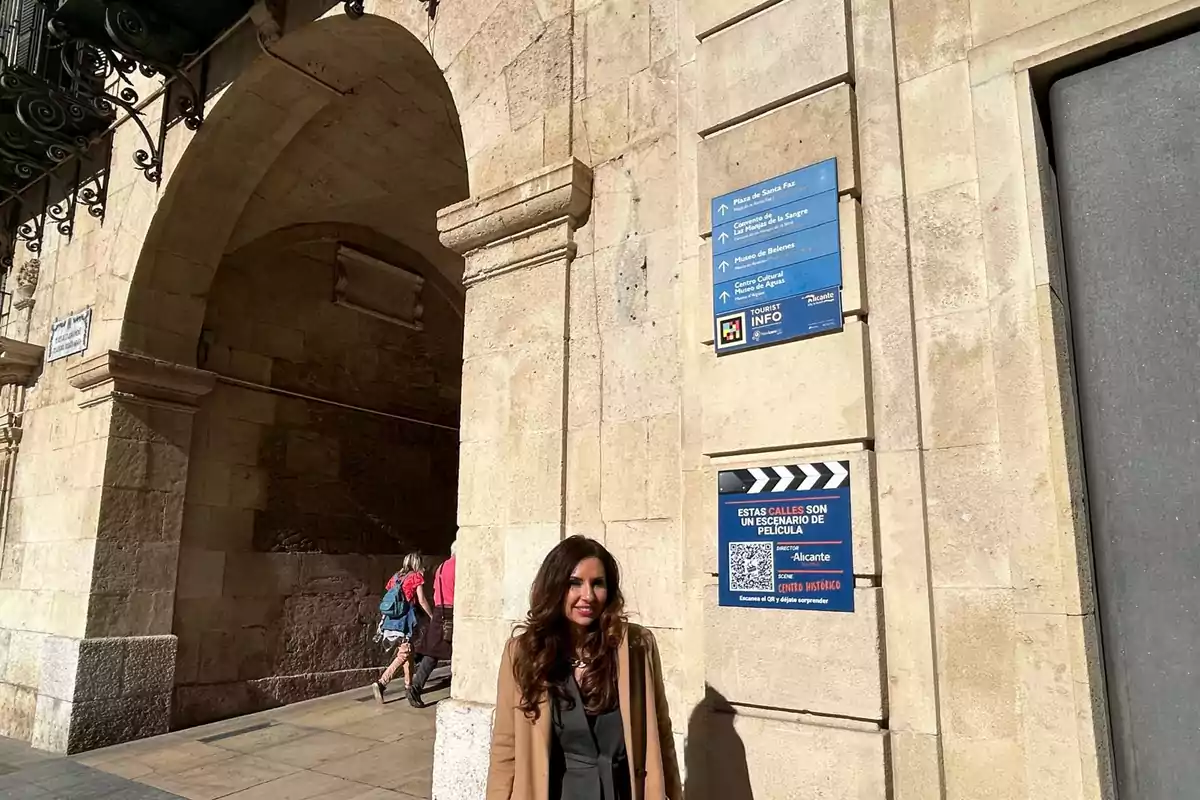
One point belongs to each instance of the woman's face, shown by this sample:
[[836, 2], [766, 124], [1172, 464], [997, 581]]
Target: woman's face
[[587, 593]]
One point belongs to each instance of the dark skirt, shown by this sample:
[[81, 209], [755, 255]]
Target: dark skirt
[[429, 640]]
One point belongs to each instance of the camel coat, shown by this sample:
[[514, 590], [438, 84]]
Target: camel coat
[[520, 763]]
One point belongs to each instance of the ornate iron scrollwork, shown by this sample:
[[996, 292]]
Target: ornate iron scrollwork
[[33, 229], [355, 9], [62, 213], [77, 63]]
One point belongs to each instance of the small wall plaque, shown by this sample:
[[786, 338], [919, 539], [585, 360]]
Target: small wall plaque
[[385, 291], [69, 335]]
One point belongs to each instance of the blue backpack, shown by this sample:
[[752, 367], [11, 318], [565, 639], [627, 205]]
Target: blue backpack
[[398, 613]]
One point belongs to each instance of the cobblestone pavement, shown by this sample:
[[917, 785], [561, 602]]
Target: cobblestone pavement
[[344, 747]]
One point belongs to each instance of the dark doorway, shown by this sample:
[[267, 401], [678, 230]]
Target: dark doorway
[[1127, 147]]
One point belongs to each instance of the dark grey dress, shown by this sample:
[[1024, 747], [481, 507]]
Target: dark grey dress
[[587, 755]]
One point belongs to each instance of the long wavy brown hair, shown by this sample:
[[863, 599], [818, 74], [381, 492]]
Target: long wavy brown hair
[[543, 652]]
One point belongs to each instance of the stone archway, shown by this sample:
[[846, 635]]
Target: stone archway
[[332, 326], [228, 188], [225, 193]]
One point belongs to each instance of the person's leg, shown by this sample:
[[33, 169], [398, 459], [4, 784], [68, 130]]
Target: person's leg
[[424, 670], [401, 660]]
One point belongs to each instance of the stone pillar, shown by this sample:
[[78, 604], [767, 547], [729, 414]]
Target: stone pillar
[[519, 244], [20, 363], [114, 684]]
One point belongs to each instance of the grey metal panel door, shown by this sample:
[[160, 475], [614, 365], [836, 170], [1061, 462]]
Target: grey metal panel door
[[1127, 145]]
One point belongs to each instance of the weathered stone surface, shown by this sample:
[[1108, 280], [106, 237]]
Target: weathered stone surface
[[970, 533], [849, 654], [993, 766], [916, 765], [149, 665], [958, 393], [993, 20], [908, 622], [977, 665], [618, 42], [60, 663], [460, 762], [931, 34], [790, 49], [101, 723], [791, 410], [139, 376], [939, 144], [18, 706], [794, 136], [559, 191], [947, 252], [23, 666], [651, 559], [846, 764]]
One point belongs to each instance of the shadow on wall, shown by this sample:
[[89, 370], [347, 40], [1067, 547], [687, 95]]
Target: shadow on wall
[[715, 756]]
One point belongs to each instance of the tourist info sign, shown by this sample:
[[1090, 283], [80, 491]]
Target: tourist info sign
[[777, 262], [783, 537]]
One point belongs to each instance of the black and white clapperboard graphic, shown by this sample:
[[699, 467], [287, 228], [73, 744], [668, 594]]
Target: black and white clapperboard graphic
[[784, 537]]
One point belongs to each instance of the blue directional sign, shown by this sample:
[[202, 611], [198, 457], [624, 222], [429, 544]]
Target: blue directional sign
[[784, 537], [777, 265], [807, 276], [775, 222], [775, 192], [793, 248]]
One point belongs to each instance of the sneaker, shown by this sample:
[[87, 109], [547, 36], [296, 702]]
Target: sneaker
[[414, 697], [378, 688]]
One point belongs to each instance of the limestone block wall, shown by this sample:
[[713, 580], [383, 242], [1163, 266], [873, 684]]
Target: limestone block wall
[[88, 474], [1019, 675], [778, 89], [594, 134], [298, 510], [949, 390]]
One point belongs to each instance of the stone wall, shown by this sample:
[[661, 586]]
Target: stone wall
[[594, 134], [294, 505], [948, 391]]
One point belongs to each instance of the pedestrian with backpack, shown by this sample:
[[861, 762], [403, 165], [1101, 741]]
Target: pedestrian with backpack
[[398, 620]]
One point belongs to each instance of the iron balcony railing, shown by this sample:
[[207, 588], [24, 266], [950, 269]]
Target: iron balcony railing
[[72, 69]]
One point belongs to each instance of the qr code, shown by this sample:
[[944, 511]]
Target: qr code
[[751, 567]]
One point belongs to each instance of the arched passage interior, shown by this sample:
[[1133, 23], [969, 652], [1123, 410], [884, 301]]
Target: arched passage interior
[[296, 256]]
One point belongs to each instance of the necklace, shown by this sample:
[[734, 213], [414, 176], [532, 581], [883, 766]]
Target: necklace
[[580, 663]]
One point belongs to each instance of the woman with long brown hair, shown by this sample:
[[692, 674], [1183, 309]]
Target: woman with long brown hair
[[580, 709]]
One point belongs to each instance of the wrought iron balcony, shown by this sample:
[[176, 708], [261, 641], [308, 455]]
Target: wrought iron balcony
[[47, 108], [68, 74]]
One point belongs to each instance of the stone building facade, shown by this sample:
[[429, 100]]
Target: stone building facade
[[200, 507]]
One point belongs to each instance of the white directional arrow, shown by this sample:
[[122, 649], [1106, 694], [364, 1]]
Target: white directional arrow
[[840, 474], [723, 237], [723, 208], [811, 476], [724, 265], [785, 476], [761, 479], [724, 297]]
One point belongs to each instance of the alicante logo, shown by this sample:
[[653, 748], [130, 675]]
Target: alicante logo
[[732, 330]]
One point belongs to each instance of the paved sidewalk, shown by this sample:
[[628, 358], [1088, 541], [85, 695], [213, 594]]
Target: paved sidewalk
[[343, 747]]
